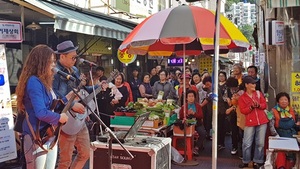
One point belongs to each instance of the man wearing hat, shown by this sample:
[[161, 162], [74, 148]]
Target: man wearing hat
[[74, 133]]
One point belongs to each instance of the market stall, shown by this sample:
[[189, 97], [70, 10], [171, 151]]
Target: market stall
[[162, 116]]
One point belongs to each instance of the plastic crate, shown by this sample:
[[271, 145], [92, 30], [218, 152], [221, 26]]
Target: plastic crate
[[190, 130]]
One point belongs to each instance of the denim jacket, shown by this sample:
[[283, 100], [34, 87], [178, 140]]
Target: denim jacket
[[62, 86]]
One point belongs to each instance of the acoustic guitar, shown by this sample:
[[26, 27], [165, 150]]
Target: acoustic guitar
[[76, 121]]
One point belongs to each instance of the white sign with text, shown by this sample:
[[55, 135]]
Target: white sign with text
[[10, 32], [7, 135], [275, 32]]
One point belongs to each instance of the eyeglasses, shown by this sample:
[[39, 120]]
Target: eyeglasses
[[73, 57]]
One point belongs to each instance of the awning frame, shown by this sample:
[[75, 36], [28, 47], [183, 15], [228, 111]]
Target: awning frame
[[72, 20], [282, 3]]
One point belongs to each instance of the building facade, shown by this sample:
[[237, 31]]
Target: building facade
[[282, 59]]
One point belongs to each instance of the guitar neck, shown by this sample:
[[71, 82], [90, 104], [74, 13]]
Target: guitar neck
[[98, 90], [91, 96], [68, 106]]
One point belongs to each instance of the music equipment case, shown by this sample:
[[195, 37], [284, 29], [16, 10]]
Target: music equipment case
[[148, 152]]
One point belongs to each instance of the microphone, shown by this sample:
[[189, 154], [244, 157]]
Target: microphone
[[65, 75], [88, 62]]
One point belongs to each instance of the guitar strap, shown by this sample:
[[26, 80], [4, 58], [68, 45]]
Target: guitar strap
[[36, 136]]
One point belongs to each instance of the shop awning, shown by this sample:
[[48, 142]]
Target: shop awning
[[282, 3], [225, 60], [75, 21]]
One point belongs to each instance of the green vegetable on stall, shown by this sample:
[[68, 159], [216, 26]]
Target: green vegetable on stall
[[138, 106]]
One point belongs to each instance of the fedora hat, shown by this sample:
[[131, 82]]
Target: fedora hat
[[65, 47]]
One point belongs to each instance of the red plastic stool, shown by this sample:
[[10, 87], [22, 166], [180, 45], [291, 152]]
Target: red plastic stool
[[189, 146]]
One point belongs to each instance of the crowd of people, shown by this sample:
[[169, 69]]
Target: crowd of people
[[240, 102]]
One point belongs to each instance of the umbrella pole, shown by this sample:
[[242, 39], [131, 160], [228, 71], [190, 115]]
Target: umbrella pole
[[185, 162], [215, 87], [184, 102]]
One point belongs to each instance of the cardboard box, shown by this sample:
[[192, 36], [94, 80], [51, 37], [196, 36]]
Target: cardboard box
[[190, 130], [154, 153], [152, 123]]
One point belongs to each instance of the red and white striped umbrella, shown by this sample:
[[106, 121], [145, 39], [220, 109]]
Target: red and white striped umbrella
[[165, 32]]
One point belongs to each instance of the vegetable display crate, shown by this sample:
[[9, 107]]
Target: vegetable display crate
[[122, 120]]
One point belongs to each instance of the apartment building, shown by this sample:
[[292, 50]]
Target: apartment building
[[242, 13]]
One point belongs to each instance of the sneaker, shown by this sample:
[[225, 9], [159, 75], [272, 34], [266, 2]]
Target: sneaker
[[243, 165], [221, 147], [233, 151], [196, 152], [241, 157], [258, 165]]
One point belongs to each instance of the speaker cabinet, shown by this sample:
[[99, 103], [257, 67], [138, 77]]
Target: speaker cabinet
[[148, 152]]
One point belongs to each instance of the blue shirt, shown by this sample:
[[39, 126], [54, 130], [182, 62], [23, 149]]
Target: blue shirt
[[192, 106]]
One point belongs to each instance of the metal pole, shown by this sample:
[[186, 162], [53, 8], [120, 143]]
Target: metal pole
[[215, 87], [184, 101]]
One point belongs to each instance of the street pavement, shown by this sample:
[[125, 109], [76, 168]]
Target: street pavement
[[225, 159]]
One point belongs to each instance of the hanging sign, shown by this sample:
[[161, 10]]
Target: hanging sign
[[295, 82], [10, 32], [295, 102], [7, 134], [275, 32], [125, 57], [175, 61]]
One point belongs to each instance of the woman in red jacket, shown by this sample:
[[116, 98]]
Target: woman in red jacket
[[252, 104], [194, 110]]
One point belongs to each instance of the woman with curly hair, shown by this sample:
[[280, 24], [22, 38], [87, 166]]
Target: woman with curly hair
[[35, 97]]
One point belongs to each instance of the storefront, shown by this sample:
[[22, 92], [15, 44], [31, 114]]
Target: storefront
[[49, 22], [283, 58]]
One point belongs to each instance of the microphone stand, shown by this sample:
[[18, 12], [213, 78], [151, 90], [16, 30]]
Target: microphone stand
[[95, 100], [107, 129]]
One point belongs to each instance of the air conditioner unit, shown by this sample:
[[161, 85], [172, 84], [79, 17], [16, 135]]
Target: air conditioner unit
[[151, 153]]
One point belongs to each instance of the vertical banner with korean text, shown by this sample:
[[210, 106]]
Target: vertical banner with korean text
[[7, 134], [295, 102], [295, 91]]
